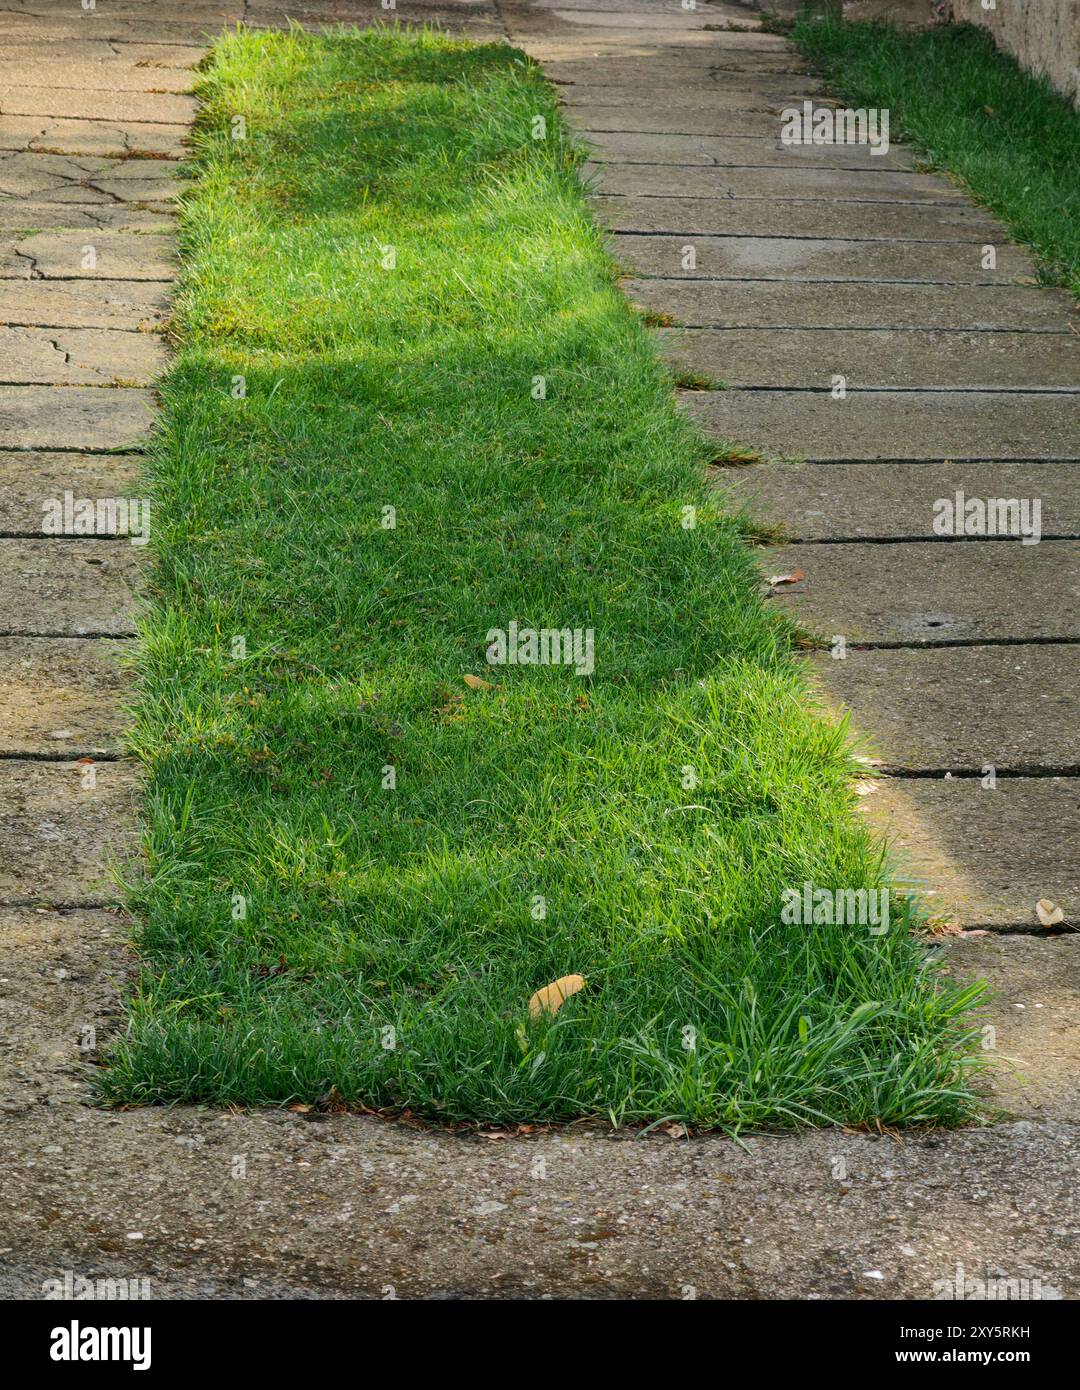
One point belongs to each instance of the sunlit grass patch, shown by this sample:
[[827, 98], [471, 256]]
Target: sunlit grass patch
[[410, 410]]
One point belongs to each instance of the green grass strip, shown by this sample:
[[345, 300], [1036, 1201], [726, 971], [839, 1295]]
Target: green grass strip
[[970, 111], [376, 278]]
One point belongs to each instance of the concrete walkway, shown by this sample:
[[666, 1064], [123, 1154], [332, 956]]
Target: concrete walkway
[[786, 269], [93, 113]]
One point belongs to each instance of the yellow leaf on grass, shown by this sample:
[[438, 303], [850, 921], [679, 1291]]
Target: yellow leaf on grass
[[551, 998], [475, 683]]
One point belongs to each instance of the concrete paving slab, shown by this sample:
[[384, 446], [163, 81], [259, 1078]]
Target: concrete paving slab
[[156, 193], [711, 106], [913, 593], [29, 480], [61, 991], [34, 32], [988, 856], [121, 304], [85, 178], [662, 118], [29, 215], [810, 218], [1030, 1020], [107, 75], [872, 501], [960, 709], [894, 424], [544, 20], [127, 9], [693, 74], [161, 108], [631, 43], [44, 45], [437, 1215], [62, 698], [66, 178], [808, 258], [774, 74], [61, 834], [785, 183], [729, 41], [47, 134], [74, 417], [745, 141], [707, 13], [735, 124], [34, 175], [875, 357], [68, 588], [75, 256], [79, 357], [771, 304]]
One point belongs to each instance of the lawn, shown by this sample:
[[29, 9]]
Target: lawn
[[970, 111], [411, 409]]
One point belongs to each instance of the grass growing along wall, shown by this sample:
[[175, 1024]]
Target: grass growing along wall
[[970, 110], [412, 407]]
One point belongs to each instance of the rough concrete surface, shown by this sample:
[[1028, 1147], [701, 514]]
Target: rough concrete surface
[[809, 258], [30, 488], [893, 424], [903, 704], [90, 137], [876, 357], [729, 141], [787, 183], [915, 592], [72, 255], [284, 1205], [766, 304], [68, 587], [74, 417], [984, 854], [62, 697], [64, 826], [814, 218], [126, 304], [878, 501], [79, 357]]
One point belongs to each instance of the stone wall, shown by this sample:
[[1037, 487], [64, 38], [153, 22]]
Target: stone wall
[[1044, 35]]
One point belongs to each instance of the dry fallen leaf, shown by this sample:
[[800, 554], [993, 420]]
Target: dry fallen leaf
[[864, 788], [475, 683], [1048, 913], [793, 578], [945, 926], [551, 998], [673, 1131]]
